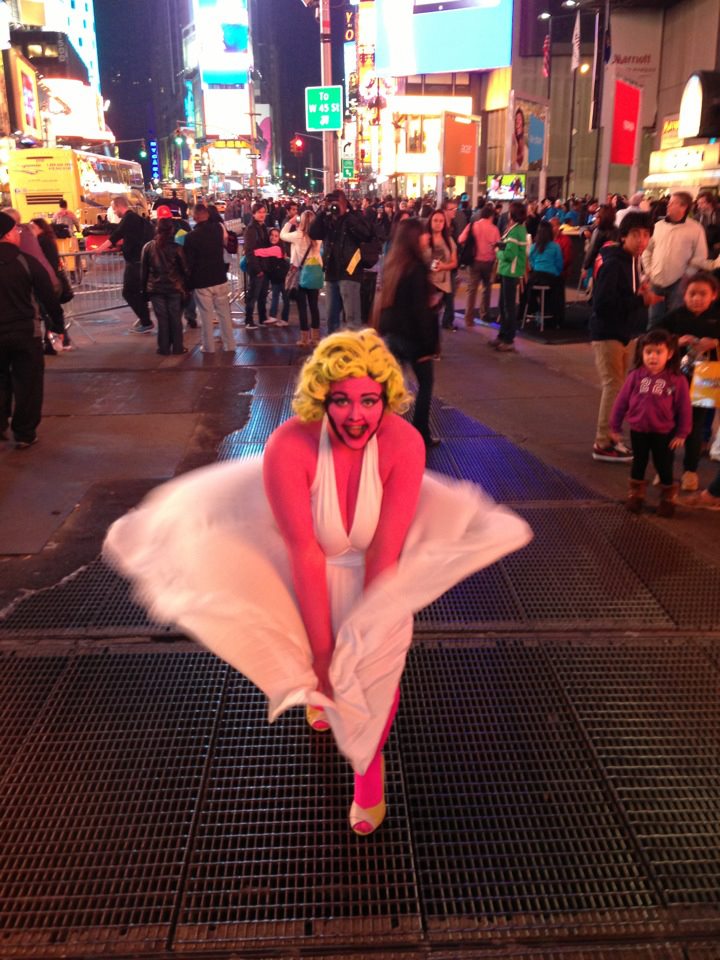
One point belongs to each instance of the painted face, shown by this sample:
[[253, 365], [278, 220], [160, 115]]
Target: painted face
[[698, 297], [355, 407], [656, 356]]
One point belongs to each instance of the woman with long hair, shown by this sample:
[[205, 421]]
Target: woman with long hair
[[304, 250], [546, 268], [441, 251], [164, 283], [54, 320], [406, 319], [302, 568]]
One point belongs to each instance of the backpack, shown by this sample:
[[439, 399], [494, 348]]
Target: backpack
[[466, 254], [231, 242], [61, 231]]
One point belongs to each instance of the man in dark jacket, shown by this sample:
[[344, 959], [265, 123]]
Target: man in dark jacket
[[342, 231], [134, 231], [257, 237], [618, 316], [204, 254], [21, 352]]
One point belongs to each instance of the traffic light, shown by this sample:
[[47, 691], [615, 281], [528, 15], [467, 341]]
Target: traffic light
[[179, 138], [297, 145], [142, 152]]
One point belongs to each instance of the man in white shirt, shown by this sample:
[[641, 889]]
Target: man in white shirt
[[678, 246]]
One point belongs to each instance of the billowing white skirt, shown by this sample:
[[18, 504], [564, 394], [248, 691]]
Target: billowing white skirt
[[205, 554]]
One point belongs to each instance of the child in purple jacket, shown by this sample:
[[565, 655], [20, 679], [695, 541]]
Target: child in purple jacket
[[655, 401]]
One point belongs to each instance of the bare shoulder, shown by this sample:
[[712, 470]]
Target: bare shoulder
[[400, 443], [294, 441]]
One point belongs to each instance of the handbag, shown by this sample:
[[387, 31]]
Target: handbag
[[292, 280], [66, 290], [705, 385], [312, 276]]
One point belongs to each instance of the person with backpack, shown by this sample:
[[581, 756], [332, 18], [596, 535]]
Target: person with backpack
[[134, 231], [479, 239], [164, 283]]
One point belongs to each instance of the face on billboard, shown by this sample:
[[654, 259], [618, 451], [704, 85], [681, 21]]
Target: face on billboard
[[442, 36], [223, 41]]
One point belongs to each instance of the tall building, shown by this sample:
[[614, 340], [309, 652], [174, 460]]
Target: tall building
[[76, 18]]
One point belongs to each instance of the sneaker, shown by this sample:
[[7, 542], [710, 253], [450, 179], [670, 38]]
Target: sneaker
[[140, 329], [282, 323], [503, 347], [689, 482], [615, 453], [251, 326], [24, 444], [623, 448], [271, 321]]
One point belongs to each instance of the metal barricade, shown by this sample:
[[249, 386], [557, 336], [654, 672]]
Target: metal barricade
[[97, 280]]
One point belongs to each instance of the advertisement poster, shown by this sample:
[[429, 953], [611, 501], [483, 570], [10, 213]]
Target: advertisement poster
[[460, 146], [508, 186], [527, 127], [25, 104], [223, 41], [425, 36], [625, 123], [636, 47]]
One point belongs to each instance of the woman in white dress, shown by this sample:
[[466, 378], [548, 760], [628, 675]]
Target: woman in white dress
[[303, 569]]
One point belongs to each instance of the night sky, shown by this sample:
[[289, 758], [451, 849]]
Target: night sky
[[125, 41]]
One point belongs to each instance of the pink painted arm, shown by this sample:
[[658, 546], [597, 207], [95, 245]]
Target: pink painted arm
[[288, 470], [402, 463]]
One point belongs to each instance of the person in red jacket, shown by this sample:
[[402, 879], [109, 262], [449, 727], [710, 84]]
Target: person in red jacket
[[655, 401]]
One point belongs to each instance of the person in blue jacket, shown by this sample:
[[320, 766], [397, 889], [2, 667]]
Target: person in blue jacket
[[546, 267]]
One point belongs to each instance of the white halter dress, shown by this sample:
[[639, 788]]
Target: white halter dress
[[204, 553]]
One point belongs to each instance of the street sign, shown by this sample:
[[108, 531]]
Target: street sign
[[323, 108], [348, 169], [254, 156]]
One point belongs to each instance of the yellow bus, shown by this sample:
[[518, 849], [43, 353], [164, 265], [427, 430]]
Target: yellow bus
[[40, 177]]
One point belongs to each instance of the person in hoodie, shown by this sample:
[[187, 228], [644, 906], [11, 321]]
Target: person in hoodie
[[697, 326], [618, 316], [655, 401], [22, 279]]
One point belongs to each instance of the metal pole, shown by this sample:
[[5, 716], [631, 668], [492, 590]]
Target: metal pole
[[570, 141], [329, 159]]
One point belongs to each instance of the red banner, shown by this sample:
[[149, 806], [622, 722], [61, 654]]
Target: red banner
[[625, 123], [460, 146]]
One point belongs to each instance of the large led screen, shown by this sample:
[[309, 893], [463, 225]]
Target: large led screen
[[442, 36], [223, 41]]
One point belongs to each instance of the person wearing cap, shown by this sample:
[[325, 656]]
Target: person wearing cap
[[22, 278]]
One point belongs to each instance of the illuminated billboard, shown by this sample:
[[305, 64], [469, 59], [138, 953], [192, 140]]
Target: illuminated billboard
[[24, 101], [223, 42], [425, 36], [506, 186]]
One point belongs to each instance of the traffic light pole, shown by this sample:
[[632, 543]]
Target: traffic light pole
[[329, 151]]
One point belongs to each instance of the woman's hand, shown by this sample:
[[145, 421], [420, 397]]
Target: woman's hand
[[615, 437], [677, 442]]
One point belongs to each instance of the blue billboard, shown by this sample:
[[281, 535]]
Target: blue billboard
[[425, 36], [223, 42]]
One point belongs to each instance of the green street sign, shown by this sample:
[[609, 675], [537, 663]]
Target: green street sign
[[348, 169], [323, 108]]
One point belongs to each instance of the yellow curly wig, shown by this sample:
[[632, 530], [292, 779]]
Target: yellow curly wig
[[360, 353]]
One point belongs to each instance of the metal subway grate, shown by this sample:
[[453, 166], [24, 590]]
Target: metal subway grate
[[508, 472], [439, 459], [26, 684], [96, 810], [234, 448], [274, 381], [660, 951], [447, 421], [513, 829], [484, 600], [652, 714], [266, 414], [569, 576], [93, 600], [687, 586], [274, 858]]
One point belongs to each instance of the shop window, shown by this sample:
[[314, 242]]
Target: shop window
[[415, 135]]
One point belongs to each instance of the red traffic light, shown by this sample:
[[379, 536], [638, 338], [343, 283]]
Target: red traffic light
[[299, 143]]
